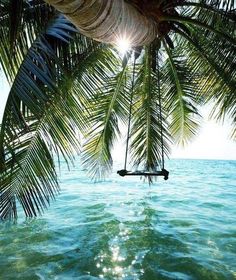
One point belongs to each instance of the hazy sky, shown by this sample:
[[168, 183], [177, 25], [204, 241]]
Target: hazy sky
[[3, 94], [213, 141]]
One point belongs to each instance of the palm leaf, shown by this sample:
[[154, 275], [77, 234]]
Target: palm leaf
[[148, 127], [109, 106], [20, 23], [181, 96], [216, 70], [41, 120]]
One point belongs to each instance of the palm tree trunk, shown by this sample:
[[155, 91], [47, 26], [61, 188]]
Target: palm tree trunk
[[108, 20]]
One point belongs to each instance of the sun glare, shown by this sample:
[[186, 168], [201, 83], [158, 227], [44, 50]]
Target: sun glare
[[123, 45]]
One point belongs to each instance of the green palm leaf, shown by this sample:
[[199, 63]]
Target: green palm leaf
[[148, 126], [20, 23], [181, 96], [215, 69], [109, 106], [41, 120]]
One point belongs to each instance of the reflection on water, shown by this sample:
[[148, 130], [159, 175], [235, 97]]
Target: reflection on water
[[184, 228]]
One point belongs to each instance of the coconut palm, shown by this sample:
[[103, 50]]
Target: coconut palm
[[71, 90]]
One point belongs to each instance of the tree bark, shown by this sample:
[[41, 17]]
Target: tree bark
[[108, 20]]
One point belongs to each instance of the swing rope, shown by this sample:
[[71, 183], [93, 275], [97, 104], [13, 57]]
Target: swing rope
[[160, 115], [130, 112], [163, 172]]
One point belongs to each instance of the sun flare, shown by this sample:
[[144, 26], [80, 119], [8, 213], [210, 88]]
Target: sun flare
[[123, 45]]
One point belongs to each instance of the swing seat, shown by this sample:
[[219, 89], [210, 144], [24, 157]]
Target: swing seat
[[163, 172]]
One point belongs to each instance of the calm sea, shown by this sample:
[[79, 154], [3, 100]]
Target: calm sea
[[183, 228]]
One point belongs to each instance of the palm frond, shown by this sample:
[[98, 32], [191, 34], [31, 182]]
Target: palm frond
[[181, 95], [216, 70], [147, 126], [15, 15], [20, 23], [204, 26], [41, 121], [226, 5], [108, 107]]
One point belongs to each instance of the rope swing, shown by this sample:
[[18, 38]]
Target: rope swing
[[163, 172]]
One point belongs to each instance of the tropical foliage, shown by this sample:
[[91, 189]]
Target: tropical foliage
[[70, 94]]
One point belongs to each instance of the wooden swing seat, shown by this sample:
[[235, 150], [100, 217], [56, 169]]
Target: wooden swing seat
[[163, 172]]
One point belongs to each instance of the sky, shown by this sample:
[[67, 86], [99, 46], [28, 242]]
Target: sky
[[213, 141]]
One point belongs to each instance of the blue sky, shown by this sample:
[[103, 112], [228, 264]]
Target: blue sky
[[213, 141]]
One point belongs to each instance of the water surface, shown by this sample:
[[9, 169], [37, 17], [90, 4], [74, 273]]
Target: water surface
[[183, 228]]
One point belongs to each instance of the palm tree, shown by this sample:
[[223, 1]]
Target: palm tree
[[71, 90]]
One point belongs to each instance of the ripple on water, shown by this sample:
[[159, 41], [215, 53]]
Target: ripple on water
[[184, 228]]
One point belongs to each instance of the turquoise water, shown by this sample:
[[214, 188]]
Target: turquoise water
[[183, 228]]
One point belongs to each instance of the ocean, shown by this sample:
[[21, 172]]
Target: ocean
[[122, 228]]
